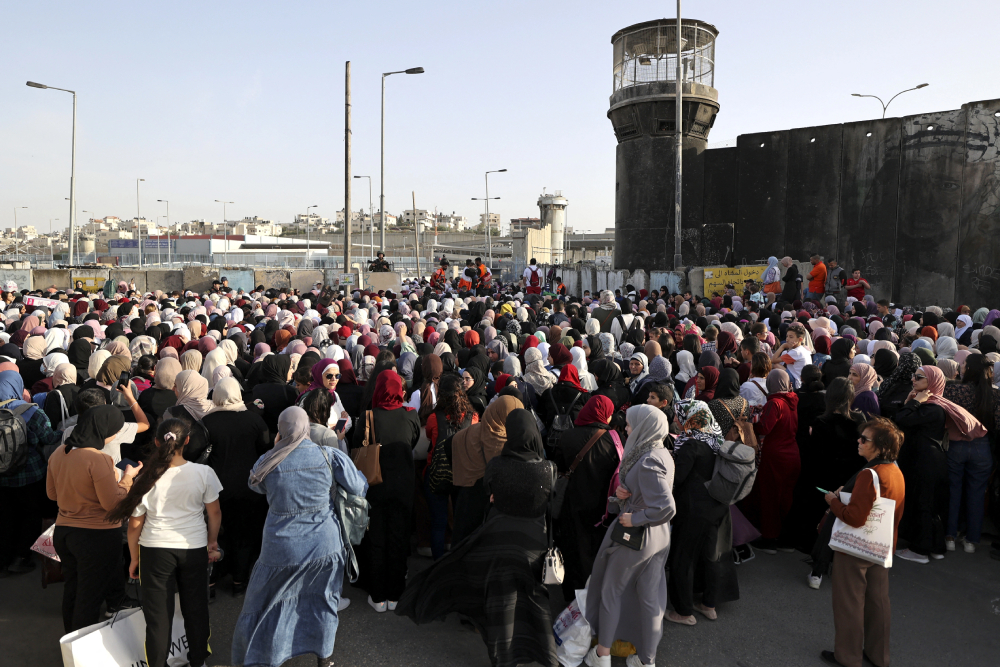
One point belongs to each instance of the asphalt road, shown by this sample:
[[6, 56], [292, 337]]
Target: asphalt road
[[943, 613]]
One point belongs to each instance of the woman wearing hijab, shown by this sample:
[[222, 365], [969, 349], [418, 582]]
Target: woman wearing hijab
[[687, 371], [107, 380], [387, 541], [627, 596], [494, 577], [82, 480], [535, 373], [471, 449], [475, 388], [863, 377], [350, 391], [780, 462], [567, 397], [272, 393], [611, 383], [638, 367], [840, 361], [927, 418], [579, 529], [970, 462], [587, 380], [895, 390], [59, 402], [292, 600], [326, 375], [30, 365], [726, 405], [238, 437], [702, 523], [192, 405], [22, 487], [702, 386], [79, 355]]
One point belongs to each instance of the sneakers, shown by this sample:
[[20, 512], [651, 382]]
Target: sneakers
[[392, 605], [425, 552], [949, 543], [380, 607], [343, 604], [594, 660], [814, 581], [633, 661], [970, 547], [937, 556], [906, 554]]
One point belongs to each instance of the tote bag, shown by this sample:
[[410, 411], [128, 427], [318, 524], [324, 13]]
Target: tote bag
[[873, 541], [366, 458]]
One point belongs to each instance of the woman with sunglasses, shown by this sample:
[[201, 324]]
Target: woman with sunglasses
[[326, 376], [928, 421]]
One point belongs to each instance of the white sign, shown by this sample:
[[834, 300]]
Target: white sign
[[37, 301], [346, 278]]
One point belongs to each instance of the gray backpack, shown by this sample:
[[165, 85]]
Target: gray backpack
[[14, 447], [735, 471]]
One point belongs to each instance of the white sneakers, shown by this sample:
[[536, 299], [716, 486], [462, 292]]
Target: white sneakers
[[380, 607], [970, 547], [392, 605], [594, 660], [343, 604], [814, 581], [949, 543], [633, 661], [425, 552], [906, 554]]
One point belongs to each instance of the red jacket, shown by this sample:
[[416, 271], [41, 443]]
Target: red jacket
[[778, 424]]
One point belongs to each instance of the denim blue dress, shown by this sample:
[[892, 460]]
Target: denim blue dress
[[292, 596]]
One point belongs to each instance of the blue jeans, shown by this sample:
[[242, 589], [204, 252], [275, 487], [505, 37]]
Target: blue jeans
[[813, 296], [969, 463], [437, 503]]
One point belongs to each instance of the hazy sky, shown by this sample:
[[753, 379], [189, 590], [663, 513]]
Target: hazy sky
[[245, 101]]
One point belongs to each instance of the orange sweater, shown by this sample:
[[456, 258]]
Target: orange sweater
[[891, 486], [84, 485]]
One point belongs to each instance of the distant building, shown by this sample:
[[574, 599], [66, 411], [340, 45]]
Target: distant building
[[494, 219], [524, 223], [254, 227], [458, 223]]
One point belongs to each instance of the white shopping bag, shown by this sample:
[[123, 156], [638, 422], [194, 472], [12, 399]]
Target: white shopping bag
[[572, 632], [44, 546], [121, 642], [873, 541]]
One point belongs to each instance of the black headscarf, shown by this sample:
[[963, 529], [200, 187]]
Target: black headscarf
[[83, 332], [449, 363], [79, 354], [94, 426], [524, 442], [596, 349], [884, 362], [708, 359], [12, 351], [454, 340], [728, 385], [606, 372], [113, 331], [274, 368]]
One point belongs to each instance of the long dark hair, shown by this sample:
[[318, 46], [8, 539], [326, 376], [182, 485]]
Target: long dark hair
[[979, 373], [839, 396], [171, 436], [452, 399]]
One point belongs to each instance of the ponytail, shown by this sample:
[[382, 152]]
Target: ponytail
[[171, 435]]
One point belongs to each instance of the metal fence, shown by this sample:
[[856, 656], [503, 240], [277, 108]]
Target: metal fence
[[649, 54]]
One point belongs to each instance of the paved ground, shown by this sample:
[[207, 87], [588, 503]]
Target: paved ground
[[944, 613]]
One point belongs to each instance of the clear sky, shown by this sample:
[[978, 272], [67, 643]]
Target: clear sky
[[244, 101]]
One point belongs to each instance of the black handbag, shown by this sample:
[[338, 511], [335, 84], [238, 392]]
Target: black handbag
[[634, 538]]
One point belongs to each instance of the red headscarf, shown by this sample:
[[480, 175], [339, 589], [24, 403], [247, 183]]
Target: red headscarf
[[711, 375], [371, 350], [206, 344], [388, 391], [364, 340], [560, 355], [571, 376], [80, 308], [929, 332], [530, 341], [598, 410], [281, 339], [502, 380], [347, 375], [471, 339]]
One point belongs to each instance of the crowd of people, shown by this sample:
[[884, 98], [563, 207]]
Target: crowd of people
[[178, 427]]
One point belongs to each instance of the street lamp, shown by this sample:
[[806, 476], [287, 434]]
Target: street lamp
[[307, 230], [381, 197], [225, 231], [72, 169], [489, 238], [138, 215], [15, 230], [169, 260], [371, 217], [885, 105]]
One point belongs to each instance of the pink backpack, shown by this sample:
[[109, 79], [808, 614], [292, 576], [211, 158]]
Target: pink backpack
[[615, 481]]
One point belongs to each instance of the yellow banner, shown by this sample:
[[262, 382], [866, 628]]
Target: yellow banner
[[91, 282], [717, 277]]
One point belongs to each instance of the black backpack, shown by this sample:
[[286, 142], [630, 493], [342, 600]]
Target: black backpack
[[14, 447], [562, 422]]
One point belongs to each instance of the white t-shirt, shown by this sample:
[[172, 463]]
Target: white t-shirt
[[175, 508], [755, 391], [795, 360], [529, 271]]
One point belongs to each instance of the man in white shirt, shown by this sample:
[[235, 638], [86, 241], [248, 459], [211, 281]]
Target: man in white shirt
[[793, 354], [533, 278]]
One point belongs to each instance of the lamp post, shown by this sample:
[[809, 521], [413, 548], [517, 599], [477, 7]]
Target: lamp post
[[169, 260], [489, 238], [307, 232], [138, 215], [885, 105], [225, 231], [15, 230], [381, 197], [371, 216], [72, 169]]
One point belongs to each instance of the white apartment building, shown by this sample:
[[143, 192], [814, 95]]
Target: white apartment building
[[314, 220], [494, 219], [458, 223], [425, 219], [26, 232], [253, 226]]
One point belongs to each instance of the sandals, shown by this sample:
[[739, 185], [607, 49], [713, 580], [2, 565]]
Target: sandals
[[674, 617]]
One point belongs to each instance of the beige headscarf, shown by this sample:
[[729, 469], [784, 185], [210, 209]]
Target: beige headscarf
[[192, 392], [166, 372], [227, 396], [65, 374], [34, 347], [229, 347], [97, 360], [191, 360], [472, 448]]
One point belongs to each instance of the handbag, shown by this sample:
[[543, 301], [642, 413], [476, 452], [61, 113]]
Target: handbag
[[366, 457], [634, 538], [741, 430], [553, 569], [561, 484], [871, 542]]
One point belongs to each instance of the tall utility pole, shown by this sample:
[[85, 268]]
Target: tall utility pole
[[169, 261], [679, 128], [347, 169], [15, 230], [225, 232], [72, 169], [416, 233], [381, 197], [138, 216], [305, 262]]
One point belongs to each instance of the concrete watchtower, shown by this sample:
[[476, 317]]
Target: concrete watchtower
[[643, 113]]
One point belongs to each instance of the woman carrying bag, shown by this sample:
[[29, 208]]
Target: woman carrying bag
[[861, 611]]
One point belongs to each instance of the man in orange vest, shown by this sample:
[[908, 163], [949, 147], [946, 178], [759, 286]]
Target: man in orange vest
[[466, 278], [485, 275], [439, 279]]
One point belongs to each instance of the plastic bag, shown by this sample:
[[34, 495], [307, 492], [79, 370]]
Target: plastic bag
[[44, 546], [572, 631]]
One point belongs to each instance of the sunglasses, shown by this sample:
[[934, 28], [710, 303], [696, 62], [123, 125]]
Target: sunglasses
[[332, 376], [863, 438], [919, 377]]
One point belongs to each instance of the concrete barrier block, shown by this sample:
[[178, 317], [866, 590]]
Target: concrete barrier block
[[391, 280], [588, 280], [331, 277], [618, 280], [272, 278], [696, 281], [675, 282], [22, 277], [93, 279], [571, 278], [199, 278], [167, 280], [304, 279], [130, 276], [45, 278], [639, 279], [602, 279]]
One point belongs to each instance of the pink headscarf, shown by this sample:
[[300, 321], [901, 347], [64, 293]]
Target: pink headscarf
[[961, 424], [868, 377]]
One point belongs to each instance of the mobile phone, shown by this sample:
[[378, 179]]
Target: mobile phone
[[124, 463], [122, 379], [823, 491], [340, 425]]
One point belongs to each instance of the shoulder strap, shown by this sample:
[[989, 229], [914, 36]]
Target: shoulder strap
[[21, 409], [875, 475], [728, 410], [571, 404], [764, 393], [586, 448], [9, 400]]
